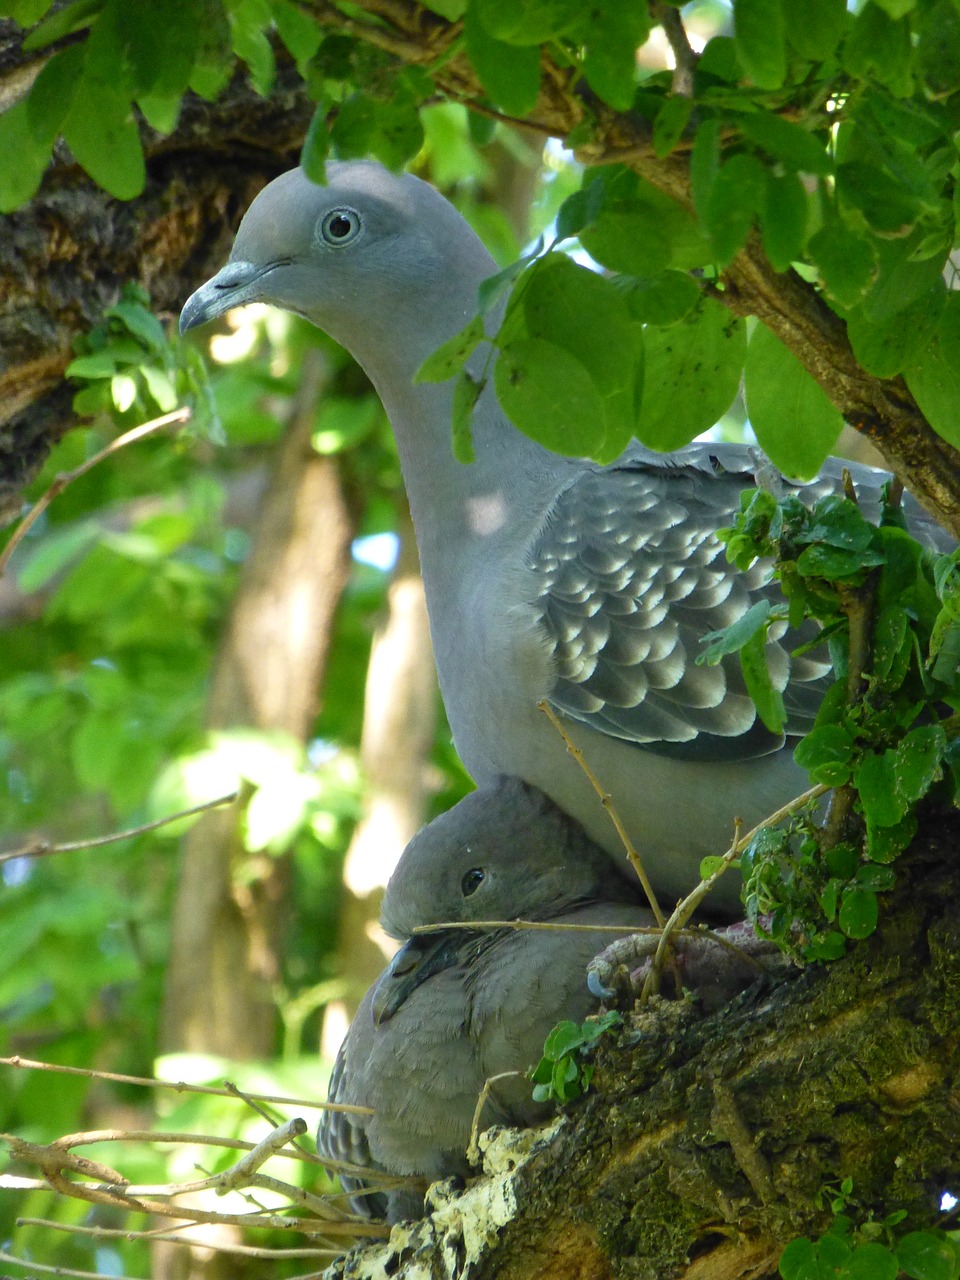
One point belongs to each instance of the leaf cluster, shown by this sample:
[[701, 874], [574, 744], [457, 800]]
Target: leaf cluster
[[561, 1074], [871, 1251], [886, 607]]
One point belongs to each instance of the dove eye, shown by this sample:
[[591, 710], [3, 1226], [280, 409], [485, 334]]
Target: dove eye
[[472, 881], [340, 226]]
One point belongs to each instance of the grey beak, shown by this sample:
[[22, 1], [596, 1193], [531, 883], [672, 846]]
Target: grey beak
[[416, 961], [230, 287]]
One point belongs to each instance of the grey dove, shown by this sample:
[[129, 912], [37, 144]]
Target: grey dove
[[546, 577], [457, 1007]]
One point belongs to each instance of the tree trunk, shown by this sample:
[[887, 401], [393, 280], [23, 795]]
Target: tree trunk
[[399, 723], [224, 953], [703, 1143]]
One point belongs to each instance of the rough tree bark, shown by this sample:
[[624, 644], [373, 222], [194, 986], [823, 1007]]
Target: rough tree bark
[[703, 1143]]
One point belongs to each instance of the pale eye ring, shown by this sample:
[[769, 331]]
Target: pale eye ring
[[340, 227]]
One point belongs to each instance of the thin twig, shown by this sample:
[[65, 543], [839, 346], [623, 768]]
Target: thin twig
[[180, 1086], [685, 909], [685, 57], [238, 1174], [473, 1149], [93, 1136], [173, 1237], [42, 848], [543, 925], [65, 478], [607, 801], [54, 1271]]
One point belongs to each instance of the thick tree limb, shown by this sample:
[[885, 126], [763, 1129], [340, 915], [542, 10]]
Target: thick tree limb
[[702, 1145]]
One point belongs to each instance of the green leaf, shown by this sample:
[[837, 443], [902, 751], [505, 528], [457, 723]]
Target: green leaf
[[316, 147], [143, 324], [799, 1261], [901, 278], [634, 240], [826, 753], [161, 388], [786, 141], [452, 355], [756, 676], [871, 1261], [878, 48], [886, 347], [57, 551], [886, 204], [662, 299], [794, 420], [526, 22], [672, 119], [692, 376], [937, 28], [858, 913], [760, 36], [783, 219], [704, 164], [550, 396], [299, 31], [71, 18], [636, 228], [733, 637], [876, 781], [612, 32], [582, 312], [49, 99], [918, 761], [815, 27], [928, 1255], [846, 262], [884, 844], [738, 194], [565, 1038], [510, 75], [23, 160], [934, 380], [466, 393], [248, 22], [392, 130], [102, 133]]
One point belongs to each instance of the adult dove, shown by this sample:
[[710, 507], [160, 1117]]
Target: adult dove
[[546, 577]]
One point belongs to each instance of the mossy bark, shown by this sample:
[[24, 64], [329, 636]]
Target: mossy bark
[[704, 1142]]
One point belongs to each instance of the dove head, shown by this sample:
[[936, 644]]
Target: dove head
[[380, 261], [505, 852]]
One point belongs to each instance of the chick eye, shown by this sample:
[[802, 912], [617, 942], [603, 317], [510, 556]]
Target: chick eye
[[472, 881], [340, 226]]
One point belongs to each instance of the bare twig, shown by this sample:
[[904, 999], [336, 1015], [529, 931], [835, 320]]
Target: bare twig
[[53, 1271], [685, 57], [29, 1064], [473, 1149], [607, 801], [238, 1174], [173, 1237], [178, 417], [686, 908], [42, 848], [544, 926]]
